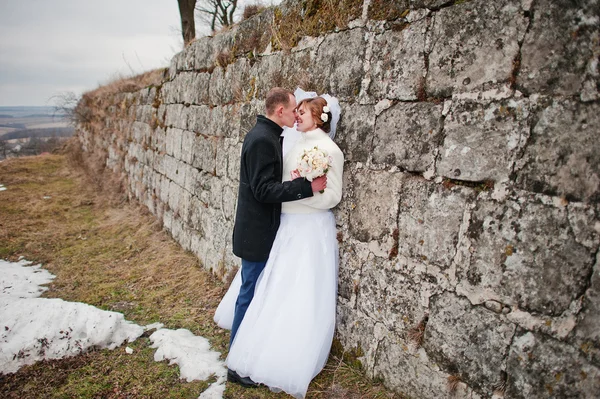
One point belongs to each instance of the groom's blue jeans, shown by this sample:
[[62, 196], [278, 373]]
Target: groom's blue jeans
[[250, 273]]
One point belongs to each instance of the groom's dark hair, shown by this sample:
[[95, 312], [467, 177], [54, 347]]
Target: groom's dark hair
[[277, 96]]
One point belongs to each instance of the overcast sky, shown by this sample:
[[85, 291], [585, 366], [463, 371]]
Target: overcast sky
[[52, 46]]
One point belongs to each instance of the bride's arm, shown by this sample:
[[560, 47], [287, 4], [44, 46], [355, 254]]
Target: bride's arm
[[333, 193]]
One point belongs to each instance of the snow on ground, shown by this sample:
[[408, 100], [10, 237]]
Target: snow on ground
[[33, 329], [2, 187]]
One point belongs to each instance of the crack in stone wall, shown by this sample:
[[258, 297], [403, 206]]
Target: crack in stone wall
[[471, 182]]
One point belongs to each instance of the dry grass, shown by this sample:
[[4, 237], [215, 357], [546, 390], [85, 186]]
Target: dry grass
[[453, 383], [312, 18], [114, 255], [387, 9], [251, 10], [129, 84], [417, 333]]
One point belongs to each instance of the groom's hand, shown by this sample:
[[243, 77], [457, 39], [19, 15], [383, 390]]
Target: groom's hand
[[319, 183]]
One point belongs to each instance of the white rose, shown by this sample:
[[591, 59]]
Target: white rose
[[324, 117], [326, 109]]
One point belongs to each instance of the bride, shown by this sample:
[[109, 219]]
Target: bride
[[286, 334]]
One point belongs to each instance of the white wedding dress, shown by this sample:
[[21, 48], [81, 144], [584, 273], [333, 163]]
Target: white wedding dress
[[285, 337]]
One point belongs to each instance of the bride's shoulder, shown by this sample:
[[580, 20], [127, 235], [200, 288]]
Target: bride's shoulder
[[333, 148]]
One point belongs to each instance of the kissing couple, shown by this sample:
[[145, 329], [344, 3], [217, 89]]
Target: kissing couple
[[281, 305]]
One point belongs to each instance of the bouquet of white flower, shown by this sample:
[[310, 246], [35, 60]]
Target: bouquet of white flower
[[313, 163]]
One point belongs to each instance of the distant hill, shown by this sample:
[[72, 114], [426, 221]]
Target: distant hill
[[37, 133], [21, 112], [14, 125]]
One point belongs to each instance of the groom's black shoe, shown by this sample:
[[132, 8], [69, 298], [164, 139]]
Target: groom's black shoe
[[246, 382]]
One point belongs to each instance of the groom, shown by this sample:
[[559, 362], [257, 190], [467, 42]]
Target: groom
[[260, 195]]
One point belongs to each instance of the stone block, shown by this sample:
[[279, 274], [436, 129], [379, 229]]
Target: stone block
[[175, 115], [587, 330], [374, 204], [199, 119], [145, 96], [230, 83], [159, 162], [253, 36], [218, 230], [429, 220], [355, 131], [247, 117], [390, 295], [225, 120], [197, 208], [170, 167], [355, 331], [143, 113], [222, 149], [408, 135], [473, 43], [229, 199], [140, 131], [173, 140], [470, 342], [187, 146], [184, 205], [585, 224], [233, 161], [541, 367], [204, 151], [296, 69], [169, 93], [192, 177], [398, 63], [205, 54], [339, 64], [528, 253], [482, 142], [164, 189], [216, 193], [563, 154], [180, 173], [175, 196], [353, 256], [412, 372], [388, 356], [167, 219], [560, 48], [188, 88], [199, 55], [159, 140], [267, 74]]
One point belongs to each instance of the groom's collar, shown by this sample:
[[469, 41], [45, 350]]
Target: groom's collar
[[269, 124]]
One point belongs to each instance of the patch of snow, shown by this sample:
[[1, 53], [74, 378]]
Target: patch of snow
[[33, 328]]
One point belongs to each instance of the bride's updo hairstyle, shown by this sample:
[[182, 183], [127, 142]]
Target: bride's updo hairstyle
[[315, 107]]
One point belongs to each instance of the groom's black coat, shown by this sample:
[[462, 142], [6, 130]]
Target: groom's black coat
[[261, 191]]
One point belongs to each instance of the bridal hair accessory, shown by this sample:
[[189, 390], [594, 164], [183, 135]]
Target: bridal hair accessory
[[324, 116]]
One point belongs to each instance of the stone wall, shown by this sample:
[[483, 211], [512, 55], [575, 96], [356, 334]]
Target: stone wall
[[469, 226]]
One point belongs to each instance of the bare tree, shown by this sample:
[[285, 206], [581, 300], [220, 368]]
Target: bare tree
[[71, 107], [188, 25], [217, 13]]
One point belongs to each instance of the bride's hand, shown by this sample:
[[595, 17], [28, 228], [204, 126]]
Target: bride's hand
[[295, 174]]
